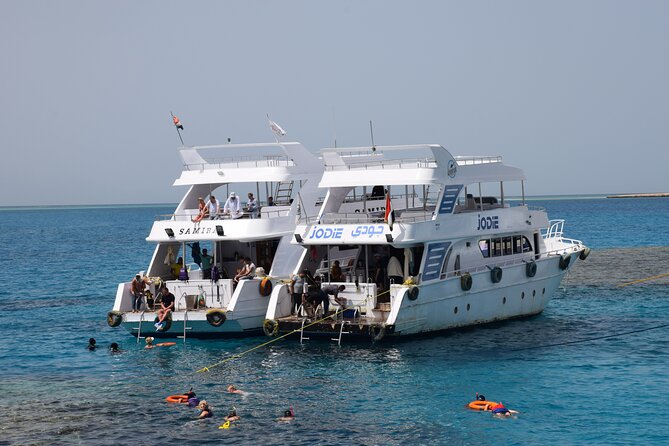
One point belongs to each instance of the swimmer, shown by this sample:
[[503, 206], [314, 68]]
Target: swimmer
[[499, 411], [149, 342], [232, 415], [91, 344], [233, 389], [288, 416], [205, 410], [480, 397], [113, 348]]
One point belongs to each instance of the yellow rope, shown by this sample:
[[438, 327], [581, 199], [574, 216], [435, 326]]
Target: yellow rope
[[643, 280], [239, 355]]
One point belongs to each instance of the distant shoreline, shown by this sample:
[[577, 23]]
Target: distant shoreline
[[654, 195]]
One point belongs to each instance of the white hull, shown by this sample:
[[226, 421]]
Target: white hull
[[444, 305]]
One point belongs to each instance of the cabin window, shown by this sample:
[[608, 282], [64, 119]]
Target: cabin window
[[496, 247], [456, 266], [517, 244], [507, 245], [484, 246]]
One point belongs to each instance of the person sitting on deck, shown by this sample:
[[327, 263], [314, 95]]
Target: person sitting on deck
[[233, 207], [270, 201], [202, 210], [336, 274], [166, 307], [137, 287], [247, 271]]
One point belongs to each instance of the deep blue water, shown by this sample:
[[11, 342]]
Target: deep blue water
[[61, 267]]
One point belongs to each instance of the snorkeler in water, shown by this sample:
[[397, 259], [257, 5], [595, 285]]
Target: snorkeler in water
[[91, 344], [500, 411], [288, 416], [232, 415], [233, 389], [113, 348]]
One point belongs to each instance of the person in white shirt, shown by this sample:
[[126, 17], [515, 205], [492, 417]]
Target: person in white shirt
[[247, 271], [233, 207], [252, 206], [395, 272], [214, 208]]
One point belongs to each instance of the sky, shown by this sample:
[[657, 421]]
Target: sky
[[574, 92]]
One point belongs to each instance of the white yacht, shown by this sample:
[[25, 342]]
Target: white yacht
[[208, 303], [450, 251]]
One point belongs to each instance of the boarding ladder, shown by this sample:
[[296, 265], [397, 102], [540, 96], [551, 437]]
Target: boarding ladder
[[139, 326], [341, 332], [185, 326], [283, 192]]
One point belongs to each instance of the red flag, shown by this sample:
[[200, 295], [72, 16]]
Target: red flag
[[177, 123], [390, 212]]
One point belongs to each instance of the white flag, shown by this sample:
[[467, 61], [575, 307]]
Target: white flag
[[276, 128]]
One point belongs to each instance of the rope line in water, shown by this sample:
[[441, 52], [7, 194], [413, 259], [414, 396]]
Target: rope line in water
[[239, 355], [592, 339], [643, 280]]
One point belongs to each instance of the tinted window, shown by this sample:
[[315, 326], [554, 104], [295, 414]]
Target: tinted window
[[484, 246], [507, 244]]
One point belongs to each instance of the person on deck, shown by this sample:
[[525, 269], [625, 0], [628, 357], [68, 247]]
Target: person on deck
[[252, 206], [206, 264], [336, 274], [270, 201], [213, 208], [395, 273], [233, 207], [202, 210], [296, 289], [166, 307], [137, 287], [176, 267], [247, 271], [332, 290]]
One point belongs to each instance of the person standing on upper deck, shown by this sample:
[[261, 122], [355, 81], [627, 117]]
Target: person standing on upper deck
[[252, 206], [214, 208], [232, 206]]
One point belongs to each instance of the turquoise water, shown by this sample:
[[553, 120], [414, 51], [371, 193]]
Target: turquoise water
[[62, 267]]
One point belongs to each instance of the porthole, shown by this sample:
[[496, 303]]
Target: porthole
[[455, 310], [468, 307], [543, 291], [504, 300], [534, 293], [522, 295]]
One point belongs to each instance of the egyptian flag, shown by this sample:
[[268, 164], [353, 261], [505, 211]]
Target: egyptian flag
[[177, 123], [390, 212]]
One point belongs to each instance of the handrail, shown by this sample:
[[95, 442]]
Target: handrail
[[285, 212], [477, 159], [242, 161], [425, 163]]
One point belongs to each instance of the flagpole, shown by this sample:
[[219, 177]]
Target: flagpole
[[178, 132]]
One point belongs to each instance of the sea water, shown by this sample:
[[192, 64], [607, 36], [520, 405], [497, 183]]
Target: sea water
[[61, 267]]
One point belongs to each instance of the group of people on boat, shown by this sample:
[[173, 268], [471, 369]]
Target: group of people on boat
[[232, 208], [309, 292]]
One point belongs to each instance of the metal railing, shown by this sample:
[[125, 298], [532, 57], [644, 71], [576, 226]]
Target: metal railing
[[385, 164], [470, 160], [185, 216], [242, 161]]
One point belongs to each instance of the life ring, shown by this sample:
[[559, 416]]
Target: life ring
[[377, 332], [216, 317], [413, 293], [167, 321], [584, 254], [270, 327], [166, 344], [531, 268], [466, 281], [265, 287], [178, 399], [564, 261], [481, 405], [114, 318], [496, 274]]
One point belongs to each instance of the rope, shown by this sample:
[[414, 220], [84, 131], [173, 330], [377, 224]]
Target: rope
[[592, 339], [239, 355], [642, 280]]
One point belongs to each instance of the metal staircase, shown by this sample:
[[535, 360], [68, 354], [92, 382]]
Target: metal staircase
[[283, 192]]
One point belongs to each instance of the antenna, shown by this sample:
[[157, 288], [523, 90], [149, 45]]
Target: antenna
[[334, 127], [371, 131]]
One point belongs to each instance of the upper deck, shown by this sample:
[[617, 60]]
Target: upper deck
[[234, 163], [411, 165]]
